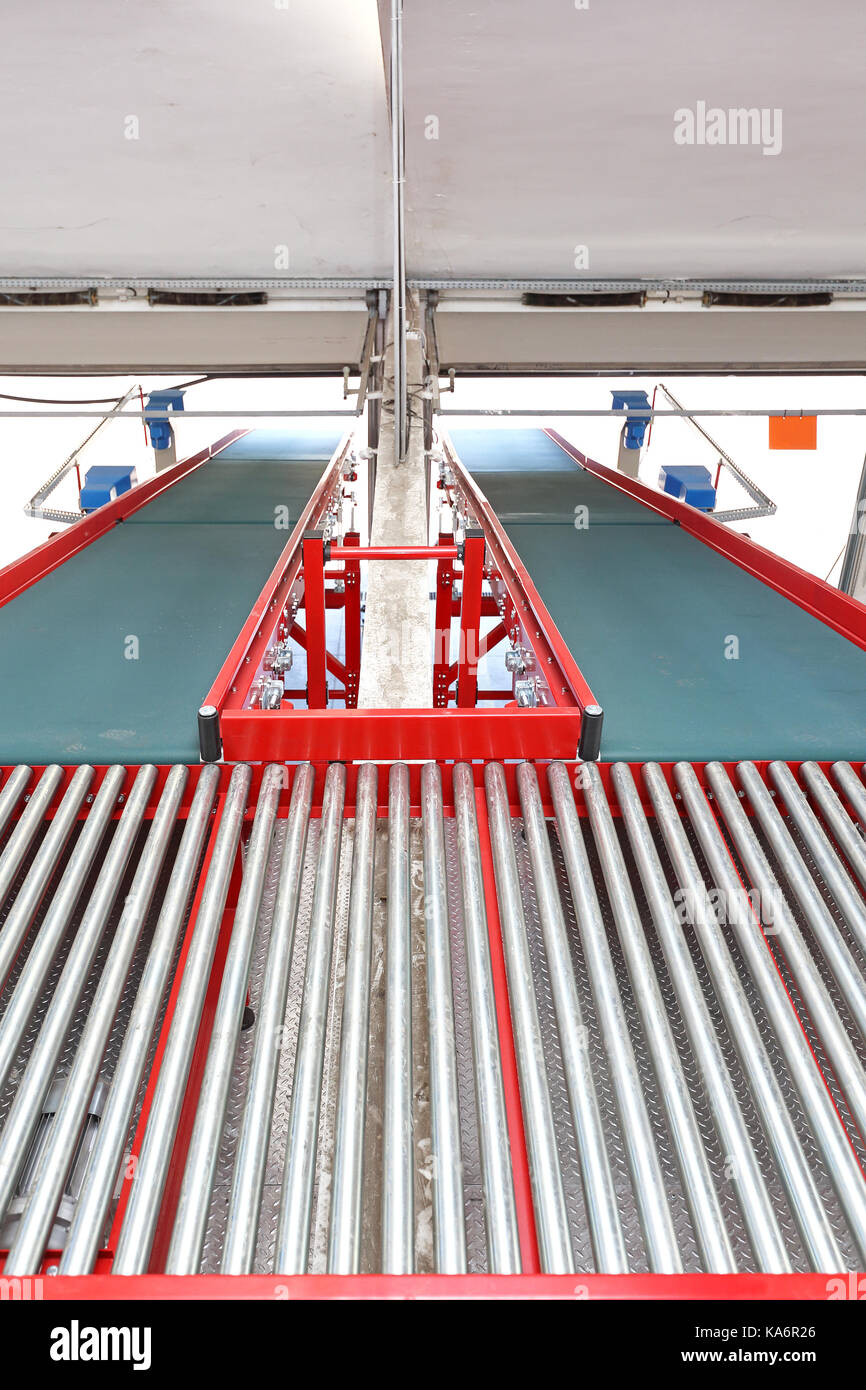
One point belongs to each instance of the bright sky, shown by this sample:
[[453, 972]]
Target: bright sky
[[815, 491]]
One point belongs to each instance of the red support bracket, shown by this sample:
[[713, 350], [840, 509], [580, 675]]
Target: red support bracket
[[313, 550], [470, 619], [352, 607], [490, 640], [444, 613]]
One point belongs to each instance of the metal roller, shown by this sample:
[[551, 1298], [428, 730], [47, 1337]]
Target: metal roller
[[698, 1186], [643, 1161], [503, 1244], [831, 1030], [39, 1074], [805, 890], [841, 1160], [255, 1129], [29, 895], [27, 827], [27, 1249], [766, 1238], [85, 1232], [296, 1201], [818, 843], [449, 1230], [145, 1194], [850, 841], [12, 792], [42, 954], [344, 1241], [598, 1184], [184, 1255], [847, 780], [548, 1197], [398, 1214]]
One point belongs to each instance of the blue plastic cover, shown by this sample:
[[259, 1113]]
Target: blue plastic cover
[[103, 482], [690, 482]]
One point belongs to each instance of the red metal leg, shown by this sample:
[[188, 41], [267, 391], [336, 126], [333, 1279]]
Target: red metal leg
[[353, 622], [486, 644], [470, 619], [444, 614], [314, 606]]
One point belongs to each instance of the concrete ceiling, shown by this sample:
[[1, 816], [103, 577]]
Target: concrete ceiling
[[260, 126], [556, 130]]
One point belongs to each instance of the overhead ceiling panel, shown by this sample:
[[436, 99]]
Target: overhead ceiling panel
[[555, 123], [213, 138]]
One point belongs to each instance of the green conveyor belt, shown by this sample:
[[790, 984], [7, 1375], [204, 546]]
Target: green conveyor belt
[[180, 576], [648, 611]]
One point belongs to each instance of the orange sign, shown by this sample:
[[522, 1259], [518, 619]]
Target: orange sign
[[793, 431]]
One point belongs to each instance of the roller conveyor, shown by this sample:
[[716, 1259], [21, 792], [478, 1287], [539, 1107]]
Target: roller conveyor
[[670, 1088], [412, 993]]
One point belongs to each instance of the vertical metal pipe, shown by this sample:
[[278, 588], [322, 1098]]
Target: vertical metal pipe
[[12, 792], [252, 1151], [34, 1229], [398, 1246], [184, 1254], [842, 1164], [30, 822], [503, 1241], [835, 814], [837, 1044], [637, 1134], [818, 843], [551, 1215], [398, 293], [26, 1108], [145, 1195], [29, 895], [760, 1218], [85, 1232], [344, 1249], [29, 985], [296, 1201], [449, 1233], [599, 1190]]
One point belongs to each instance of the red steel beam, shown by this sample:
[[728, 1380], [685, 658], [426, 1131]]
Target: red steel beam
[[442, 640], [486, 644], [333, 663], [385, 735], [470, 620], [396, 552], [526, 1230], [352, 608], [313, 560], [571, 1287]]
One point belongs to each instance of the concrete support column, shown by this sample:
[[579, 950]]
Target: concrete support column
[[397, 653]]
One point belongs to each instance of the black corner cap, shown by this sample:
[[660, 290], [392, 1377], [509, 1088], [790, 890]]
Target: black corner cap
[[591, 721], [209, 738], [474, 533], [317, 536]]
